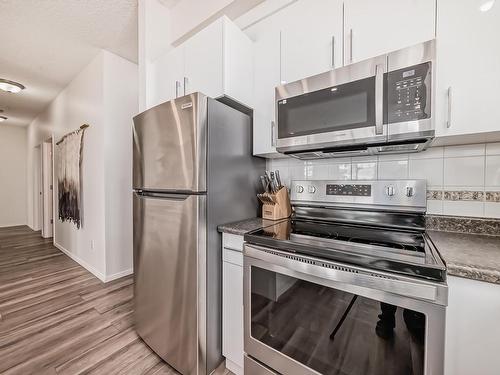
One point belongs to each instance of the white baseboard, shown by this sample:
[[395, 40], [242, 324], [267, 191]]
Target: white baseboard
[[82, 263], [233, 367], [92, 269], [119, 275]]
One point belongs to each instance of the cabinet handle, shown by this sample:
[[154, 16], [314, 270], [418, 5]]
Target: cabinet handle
[[185, 85], [351, 38], [448, 122], [379, 100], [273, 133], [177, 87], [333, 51]]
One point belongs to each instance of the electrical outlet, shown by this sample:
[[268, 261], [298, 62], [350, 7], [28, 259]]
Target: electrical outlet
[[91, 244]]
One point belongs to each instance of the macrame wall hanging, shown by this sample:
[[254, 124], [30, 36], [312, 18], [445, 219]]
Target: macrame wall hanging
[[69, 176]]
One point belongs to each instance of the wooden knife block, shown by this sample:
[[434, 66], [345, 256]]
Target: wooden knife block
[[280, 208]]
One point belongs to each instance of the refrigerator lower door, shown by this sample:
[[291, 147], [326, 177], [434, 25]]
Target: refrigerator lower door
[[169, 251]]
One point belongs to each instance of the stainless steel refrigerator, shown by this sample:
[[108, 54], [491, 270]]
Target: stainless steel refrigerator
[[192, 170]]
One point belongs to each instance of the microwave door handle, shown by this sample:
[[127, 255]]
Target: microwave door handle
[[379, 99]]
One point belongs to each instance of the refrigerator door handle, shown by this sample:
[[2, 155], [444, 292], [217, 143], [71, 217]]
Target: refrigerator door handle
[[168, 196]]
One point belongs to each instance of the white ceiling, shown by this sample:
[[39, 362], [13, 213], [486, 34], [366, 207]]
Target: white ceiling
[[45, 43]]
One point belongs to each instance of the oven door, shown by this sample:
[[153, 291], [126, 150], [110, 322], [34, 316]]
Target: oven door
[[339, 108], [309, 316]]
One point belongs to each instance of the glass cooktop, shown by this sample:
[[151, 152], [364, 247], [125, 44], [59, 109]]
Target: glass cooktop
[[402, 251]]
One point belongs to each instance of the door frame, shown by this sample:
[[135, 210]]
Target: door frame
[[47, 150]]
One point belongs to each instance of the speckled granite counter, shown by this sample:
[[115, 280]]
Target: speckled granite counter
[[472, 256], [245, 226]]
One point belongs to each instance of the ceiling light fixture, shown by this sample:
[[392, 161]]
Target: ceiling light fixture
[[486, 5], [10, 86], [3, 118]]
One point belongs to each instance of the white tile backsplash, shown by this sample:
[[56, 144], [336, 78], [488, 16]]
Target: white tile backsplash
[[452, 168], [464, 171], [493, 148], [492, 175], [429, 169], [492, 209], [393, 170], [340, 171], [463, 208], [464, 150], [364, 171]]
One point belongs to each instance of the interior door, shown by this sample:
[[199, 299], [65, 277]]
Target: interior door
[[166, 255], [169, 151], [373, 28]]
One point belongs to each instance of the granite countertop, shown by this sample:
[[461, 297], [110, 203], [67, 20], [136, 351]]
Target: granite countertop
[[473, 256], [245, 226]]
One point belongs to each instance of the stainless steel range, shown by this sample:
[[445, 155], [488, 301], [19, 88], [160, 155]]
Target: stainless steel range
[[351, 284]]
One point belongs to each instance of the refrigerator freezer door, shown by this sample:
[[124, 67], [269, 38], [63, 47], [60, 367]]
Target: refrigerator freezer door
[[169, 272], [170, 146]]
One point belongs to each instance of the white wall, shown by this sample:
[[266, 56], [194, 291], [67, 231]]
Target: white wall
[[12, 175], [79, 103], [120, 105], [89, 99]]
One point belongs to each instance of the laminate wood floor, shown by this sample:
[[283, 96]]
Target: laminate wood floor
[[58, 318]]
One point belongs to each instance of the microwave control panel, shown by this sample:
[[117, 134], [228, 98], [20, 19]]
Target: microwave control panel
[[407, 94]]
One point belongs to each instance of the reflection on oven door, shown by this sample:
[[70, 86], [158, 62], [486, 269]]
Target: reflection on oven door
[[335, 332]]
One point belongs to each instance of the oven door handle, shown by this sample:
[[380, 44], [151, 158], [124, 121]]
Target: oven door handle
[[379, 99], [301, 266]]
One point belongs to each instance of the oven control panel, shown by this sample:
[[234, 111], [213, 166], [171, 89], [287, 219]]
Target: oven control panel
[[356, 190], [407, 93], [409, 194]]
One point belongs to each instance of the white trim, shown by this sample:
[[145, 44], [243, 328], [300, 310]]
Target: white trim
[[81, 262], [119, 275], [93, 270], [233, 367]]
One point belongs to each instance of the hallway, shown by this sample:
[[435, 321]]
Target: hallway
[[58, 318]]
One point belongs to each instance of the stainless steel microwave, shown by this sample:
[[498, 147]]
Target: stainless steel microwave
[[381, 105]]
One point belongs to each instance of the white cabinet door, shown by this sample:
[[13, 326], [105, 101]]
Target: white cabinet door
[[468, 63], [266, 38], [373, 28], [204, 61], [232, 312], [312, 47], [472, 328], [165, 78]]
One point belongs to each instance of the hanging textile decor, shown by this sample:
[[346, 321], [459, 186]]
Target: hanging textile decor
[[69, 177]]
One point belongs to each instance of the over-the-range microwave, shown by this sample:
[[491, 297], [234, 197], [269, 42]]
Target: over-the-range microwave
[[381, 105]]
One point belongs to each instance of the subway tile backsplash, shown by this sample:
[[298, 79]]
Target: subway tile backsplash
[[461, 180]]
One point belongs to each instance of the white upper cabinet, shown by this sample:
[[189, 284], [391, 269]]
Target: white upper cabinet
[[216, 61], [204, 55], [373, 28], [165, 77], [311, 38], [468, 68], [266, 39]]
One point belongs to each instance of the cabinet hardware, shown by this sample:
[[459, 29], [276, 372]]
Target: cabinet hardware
[[448, 121], [177, 87], [185, 85], [273, 134], [379, 100], [333, 52], [351, 37]]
